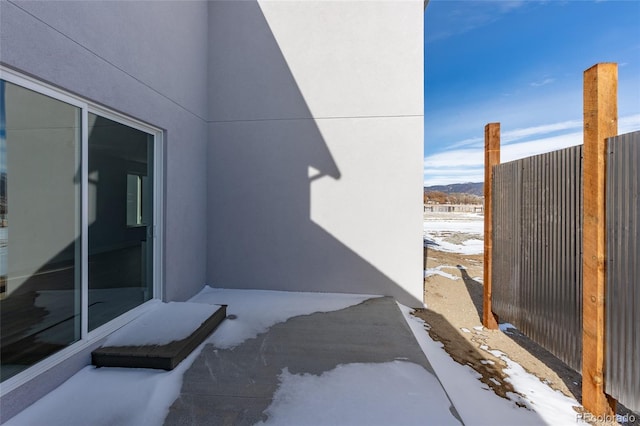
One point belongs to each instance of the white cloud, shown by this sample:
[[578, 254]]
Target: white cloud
[[457, 165], [454, 158], [517, 134], [471, 142], [468, 119], [447, 176], [470, 16], [628, 124], [542, 82], [539, 146], [447, 180], [508, 6]]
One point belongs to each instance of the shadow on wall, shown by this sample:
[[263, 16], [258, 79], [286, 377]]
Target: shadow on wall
[[263, 142]]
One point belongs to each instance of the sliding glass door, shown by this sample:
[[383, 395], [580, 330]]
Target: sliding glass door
[[120, 219], [78, 188]]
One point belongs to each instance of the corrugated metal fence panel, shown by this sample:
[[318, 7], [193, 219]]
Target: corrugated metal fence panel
[[506, 220], [542, 264], [623, 267]]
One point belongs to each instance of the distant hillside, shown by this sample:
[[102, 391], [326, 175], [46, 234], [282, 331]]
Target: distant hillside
[[474, 188]]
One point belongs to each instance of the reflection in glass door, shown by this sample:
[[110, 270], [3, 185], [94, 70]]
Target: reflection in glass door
[[40, 283], [120, 171]]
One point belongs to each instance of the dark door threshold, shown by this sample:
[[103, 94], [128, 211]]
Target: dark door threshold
[[163, 357]]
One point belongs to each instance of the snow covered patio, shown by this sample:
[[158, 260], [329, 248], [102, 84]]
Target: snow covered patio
[[294, 358], [279, 358]]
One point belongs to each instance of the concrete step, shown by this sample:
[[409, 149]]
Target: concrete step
[[164, 357]]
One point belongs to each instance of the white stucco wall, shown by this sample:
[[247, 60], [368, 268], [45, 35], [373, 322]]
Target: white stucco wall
[[148, 61], [299, 88]]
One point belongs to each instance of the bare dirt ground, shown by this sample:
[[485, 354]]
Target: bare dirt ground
[[454, 312]]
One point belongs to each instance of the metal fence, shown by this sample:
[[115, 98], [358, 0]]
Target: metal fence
[[623, 266], [507, 181], [537, 262]]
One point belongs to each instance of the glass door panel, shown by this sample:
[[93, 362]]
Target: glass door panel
[[120, 219], [40, 142]]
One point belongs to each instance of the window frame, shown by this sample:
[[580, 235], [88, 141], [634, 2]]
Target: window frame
[[90, 338]]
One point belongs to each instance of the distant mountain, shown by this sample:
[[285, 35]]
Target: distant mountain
[[474, 188]]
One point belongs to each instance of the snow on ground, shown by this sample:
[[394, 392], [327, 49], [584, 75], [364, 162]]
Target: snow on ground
[[456, 222], [505, 327], [455, 233], [478, 405], [257, 310], [108, 396], [388, 393], [438, 271], [166, 323], [553, 406], [391, 393], [141, 397]]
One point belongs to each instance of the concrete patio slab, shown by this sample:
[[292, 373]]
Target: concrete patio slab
[[235, 386]]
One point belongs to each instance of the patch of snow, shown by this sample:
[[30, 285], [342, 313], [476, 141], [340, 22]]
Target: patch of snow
[[438, 271], [388, 393], [468, 226], [470, 246], [257, 310], [466, 330], [108, 396], [553, 406], [468, 232], [478, 406], [487, 361], [494, 352], [133, 397], [478, 328], [506, 326], [165, 323]]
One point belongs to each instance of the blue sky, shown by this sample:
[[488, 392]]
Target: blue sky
[[519, 63]]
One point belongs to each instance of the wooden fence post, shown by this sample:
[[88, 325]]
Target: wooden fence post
[[491, 158], [600, 122]]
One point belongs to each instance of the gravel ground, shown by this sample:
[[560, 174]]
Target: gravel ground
[[454, 311]]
